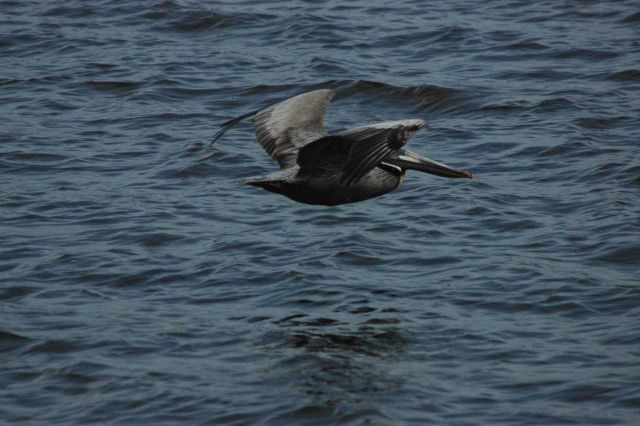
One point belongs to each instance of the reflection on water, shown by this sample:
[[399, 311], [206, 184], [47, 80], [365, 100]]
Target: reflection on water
[[339, 370]]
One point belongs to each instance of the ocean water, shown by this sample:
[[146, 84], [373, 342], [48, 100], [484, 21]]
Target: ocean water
[[142, 283]]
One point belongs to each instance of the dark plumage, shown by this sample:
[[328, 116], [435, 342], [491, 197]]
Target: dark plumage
[[338, 168]]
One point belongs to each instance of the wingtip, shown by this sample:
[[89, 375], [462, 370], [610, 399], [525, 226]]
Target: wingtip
[[229, 124], [217, 136]]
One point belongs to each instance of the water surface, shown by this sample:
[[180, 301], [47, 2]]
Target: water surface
[[142, 282]]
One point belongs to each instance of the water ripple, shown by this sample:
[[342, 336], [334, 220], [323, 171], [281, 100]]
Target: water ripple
[[144, 283]]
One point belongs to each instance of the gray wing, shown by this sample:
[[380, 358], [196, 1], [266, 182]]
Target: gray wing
[[285, 127], [354, 153]]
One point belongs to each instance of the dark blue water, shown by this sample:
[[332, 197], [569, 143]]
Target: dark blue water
[[143, 283]]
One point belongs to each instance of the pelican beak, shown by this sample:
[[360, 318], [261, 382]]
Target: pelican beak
[[412, 161]]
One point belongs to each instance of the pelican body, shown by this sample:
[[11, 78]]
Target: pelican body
[[338, 168]]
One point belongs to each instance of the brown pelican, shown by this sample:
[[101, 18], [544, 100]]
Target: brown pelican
[[333, 168]]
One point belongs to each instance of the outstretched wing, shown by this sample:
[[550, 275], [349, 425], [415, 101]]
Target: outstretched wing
[[354, 153], [285, 127]]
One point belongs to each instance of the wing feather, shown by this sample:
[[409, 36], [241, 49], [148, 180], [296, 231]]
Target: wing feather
[[282, 129], [374, 143], [285, 127], [351, 154]]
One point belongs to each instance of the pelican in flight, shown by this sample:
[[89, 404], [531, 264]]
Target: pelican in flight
[[317, 167]]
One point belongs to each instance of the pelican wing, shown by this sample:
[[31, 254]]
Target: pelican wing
[[372, 144], [285, 127], [327, 155], [354, 153]]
